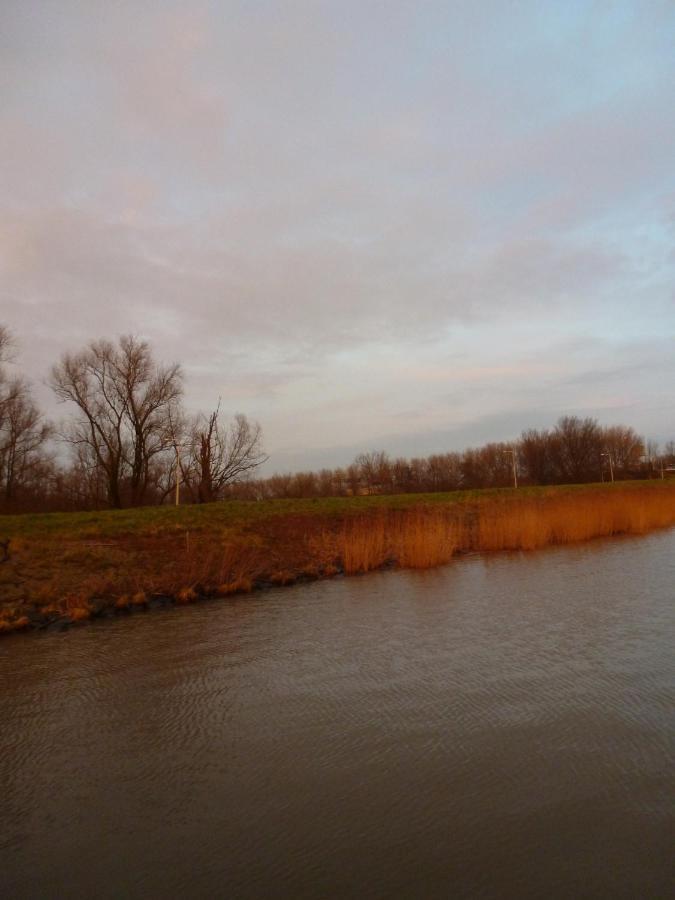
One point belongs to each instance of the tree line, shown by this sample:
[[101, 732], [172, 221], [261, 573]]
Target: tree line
[[576, 450], [131, 442]]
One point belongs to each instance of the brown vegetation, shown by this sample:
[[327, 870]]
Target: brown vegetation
[[57, 577], [567, 518], [414, 539]]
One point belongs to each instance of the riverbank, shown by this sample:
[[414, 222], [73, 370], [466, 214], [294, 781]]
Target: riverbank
[[68, 568]]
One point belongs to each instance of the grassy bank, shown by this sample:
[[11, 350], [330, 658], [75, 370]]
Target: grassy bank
[[66, 568]]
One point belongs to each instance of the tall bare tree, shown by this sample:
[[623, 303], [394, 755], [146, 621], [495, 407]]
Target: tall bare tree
[[23, 436], [577, 449], [625, 446], [7, 384], [23, 433], [220, 454], [124, 398], [374, 469], [537, 452]]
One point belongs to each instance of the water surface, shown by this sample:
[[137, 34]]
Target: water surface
[[501, 727]]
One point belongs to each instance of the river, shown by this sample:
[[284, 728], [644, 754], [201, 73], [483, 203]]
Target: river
[[500, 727]]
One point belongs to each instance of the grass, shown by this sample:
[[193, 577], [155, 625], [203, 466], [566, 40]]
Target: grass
[[71, 567], [223, 517]]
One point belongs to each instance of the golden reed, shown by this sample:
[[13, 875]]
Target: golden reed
[[282, 550], [412, 539], [423, 538]]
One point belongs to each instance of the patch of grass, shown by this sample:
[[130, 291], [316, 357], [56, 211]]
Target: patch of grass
[[230, 516]]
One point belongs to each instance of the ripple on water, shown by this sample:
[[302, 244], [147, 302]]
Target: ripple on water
[[499, 727]]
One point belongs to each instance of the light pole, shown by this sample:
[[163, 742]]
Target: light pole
[[177, 476], [611, 465], [513, 465]]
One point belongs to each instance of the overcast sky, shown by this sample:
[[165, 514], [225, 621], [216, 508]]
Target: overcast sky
[[413, 226]]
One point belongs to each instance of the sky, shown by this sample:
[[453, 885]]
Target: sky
[[411, 226]]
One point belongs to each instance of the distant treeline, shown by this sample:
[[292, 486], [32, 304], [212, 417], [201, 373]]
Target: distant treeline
[[577, 450], [130, 442]]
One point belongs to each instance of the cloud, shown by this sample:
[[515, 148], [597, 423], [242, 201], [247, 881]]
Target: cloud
[[310, 203]]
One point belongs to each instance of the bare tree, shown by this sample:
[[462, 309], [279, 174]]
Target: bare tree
[[6, 343], [443, 472], [23, 436], [123, 399], [375, 470], [625, 446], [473, 473], [339, 482], [7, 384], [651, 457], [221, 454], [577, 447], [83, 484], [536, 452]]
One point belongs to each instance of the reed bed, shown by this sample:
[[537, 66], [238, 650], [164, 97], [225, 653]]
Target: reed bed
[[532, 523], [414, 539], [70, 579], [365, 544], [425, 538]]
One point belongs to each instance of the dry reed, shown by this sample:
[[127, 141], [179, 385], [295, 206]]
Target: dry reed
[[82, 581], [414, 539], [364, 544], [423, 538], [530, 523]]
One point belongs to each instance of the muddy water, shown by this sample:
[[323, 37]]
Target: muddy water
[[502, 727]]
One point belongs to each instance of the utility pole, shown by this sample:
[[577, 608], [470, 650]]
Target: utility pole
[[513, 465], [611, 465], [177, 476], [177, 449]]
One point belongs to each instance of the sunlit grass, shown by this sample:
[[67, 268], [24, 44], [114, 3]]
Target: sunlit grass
[[232, 514]]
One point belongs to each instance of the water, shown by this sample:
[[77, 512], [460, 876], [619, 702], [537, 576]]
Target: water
[[502, 727]]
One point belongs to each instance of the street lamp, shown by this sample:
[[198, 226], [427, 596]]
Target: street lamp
[[513, 465], [611, 465], [178, 473]]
